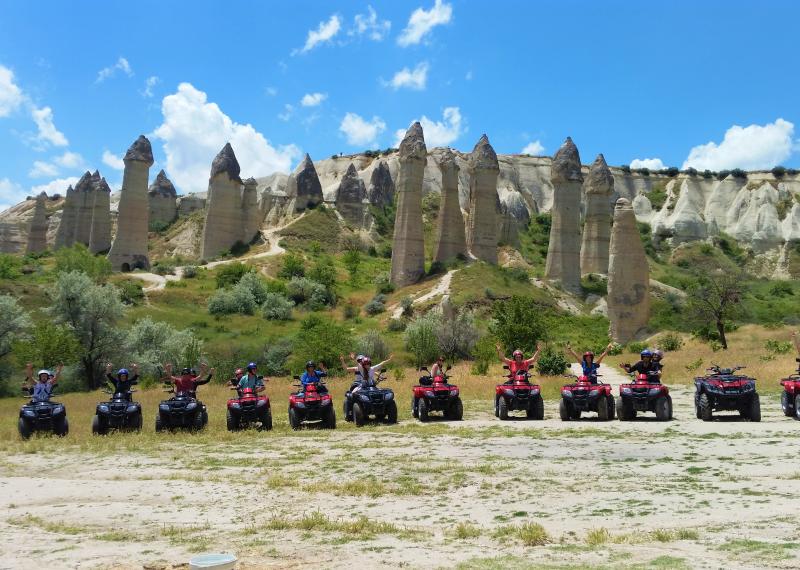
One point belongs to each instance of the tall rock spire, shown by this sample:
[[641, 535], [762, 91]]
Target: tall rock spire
[[450, 239], [129, 250], [304, 186], [408, 245], [597, 223], [563, 253], [65, 234], [483, 170], [628, 277], [350, 197], [162, 200], [100, 234], [37, 234], [224, 212]]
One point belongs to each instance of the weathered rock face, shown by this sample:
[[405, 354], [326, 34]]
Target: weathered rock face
[[65, 236], [628, 277], [37, 233], [350, 198], [563, 254], [304, 186], [100, 234], [380, 191], [408, 245], [483, 171], [189, 203], [223, 214], [84, 200], [129, 250], [514, 218], [450, 239], [162, 200], [597, 224], [251, 215]]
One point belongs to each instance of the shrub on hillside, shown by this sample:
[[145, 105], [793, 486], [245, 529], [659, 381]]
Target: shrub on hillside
[[230, 274], [484, 353], [231, 301], [383, 283], [253, 282], [457, 338], [372, 344], [551, 362], [670, 342], [293, 266], [302, 290], [636, 347], [276, 307], [396, 325], [421, 340], [376, 306], [518, 322], [10, 266], [276, 353], [190, 272], [322, 340], [79, 258], [407, 305], [151, 343], [130, 292]]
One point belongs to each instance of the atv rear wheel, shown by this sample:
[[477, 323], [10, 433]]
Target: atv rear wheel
[[415, 407], [611, 407], [786, 405], [422, 410], [159, 423], [197, 423], [602, 409], [136, 422], [502, 409], [25, 429], [564, 410], [536, 408], [97, 426], [663, 408], [347, 410], [266, 420], [231, 422], [625, 411], [754, 411], [61, 427], [329, 420], [391, 412], [456, 411], [294, 421], [359, 417], [704, 410]]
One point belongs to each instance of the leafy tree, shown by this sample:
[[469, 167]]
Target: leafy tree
[[421, 339], [324, 272], [230, 274], [10, 266], [373, 344], [457, 338], [49, 344], [551, 362], [322, 340], [277, 307], [352, 261], [519, 322], [79, 258], [14, 322], [716, 299], [152, 343], [293, 266], [253, 283], [92, 313]]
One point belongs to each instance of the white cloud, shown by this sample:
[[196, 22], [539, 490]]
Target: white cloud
[[42, 169], [313, 99], [650, 163], [48, 133], [754, 147], [70, 160], [149, 83], [415, 79], [423, 21], [324, 33], [110, 71], [11, 193], [57, 186], [271, 91], [288, 110], [468, 75], [112, 160], [534, 148], [439, 133], [360, 132], [370, 25], [11, 96], [194, 131]]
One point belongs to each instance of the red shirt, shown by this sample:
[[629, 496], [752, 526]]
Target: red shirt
[[515, 366], [185, 383]]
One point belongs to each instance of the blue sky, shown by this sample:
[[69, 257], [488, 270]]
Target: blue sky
[[665, 81]]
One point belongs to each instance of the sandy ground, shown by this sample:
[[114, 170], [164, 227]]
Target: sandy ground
[[682, 494]]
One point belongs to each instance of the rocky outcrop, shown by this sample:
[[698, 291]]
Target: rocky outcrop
[[514, 218], [598, 188], [162, 200], [84, 206], [100, 234], [483, 171], [65, 236], [350, 198], [380, 190], [563, 254], [408, 246], [628, 277], [450, 238], [190, 203], [251, 215], [304, 187], [129, 250], [37, 231], [223, 215]]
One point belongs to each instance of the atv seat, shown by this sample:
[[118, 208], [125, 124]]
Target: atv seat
[[425, 381]]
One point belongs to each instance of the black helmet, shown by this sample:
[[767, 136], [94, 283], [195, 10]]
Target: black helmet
[[310, 364], [186, 371]]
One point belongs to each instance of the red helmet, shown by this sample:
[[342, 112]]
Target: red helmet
[[366, 360], [517, 353], [587, 354]]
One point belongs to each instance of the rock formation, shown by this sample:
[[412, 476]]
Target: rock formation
[[162, 200], [628, 277], [350, 198], [100, 234], [84, 206], [514, 218], [483, 171], [304, 186], [597, 222], [251, 215], [408, 245], [37, 234], [563, 254], [450, 238], [129, 250], [380, 191], [224, 212], [65, 236]]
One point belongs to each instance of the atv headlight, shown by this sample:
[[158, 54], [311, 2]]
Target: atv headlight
[[627, 391], [388, 396], [593, 392], [748, 387], [30, 413], [58, 410], [235, 405], [364, 397], [509, 393], [103, 408], [299, 405], [191, 406], [429, 393], [132, 409], [163, 407], [566, 393], [261, 403], [327, 402], [534, 391], [454, 391], [654, 391]]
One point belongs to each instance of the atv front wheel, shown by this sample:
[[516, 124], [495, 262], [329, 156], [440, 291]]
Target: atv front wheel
[[564, 411], [359, 417], [329, 420], [786, 405], [502, 409], [159, 423], [266, 420], [198, 423], [456, 412], [24, 428], [231, 422], [294, 421], [611, 407], [602, 409], [536, 408], [61, 427], [391, 413], [97, 426], [704, 410], [415, 407], [422, 410], [754, 411], [663, 409]]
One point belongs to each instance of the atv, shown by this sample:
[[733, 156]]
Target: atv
[[248, 409], [182, 411], [372, 401], [723, 389], [311, 405], [791, 388], [119, 413], [586, 395], [645, 394], [518, 394], [42, 416], [436, 395]]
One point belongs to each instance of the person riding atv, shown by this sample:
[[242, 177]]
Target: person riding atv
[[188, 382], [250, 380], [517, 362], [645, 366], [123, 381], [314, 375], [588, 363], [41, 388]]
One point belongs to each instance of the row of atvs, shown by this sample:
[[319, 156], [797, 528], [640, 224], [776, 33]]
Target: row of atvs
[[720, 390]]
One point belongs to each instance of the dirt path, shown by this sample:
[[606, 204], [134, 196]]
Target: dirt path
[[442, 287]]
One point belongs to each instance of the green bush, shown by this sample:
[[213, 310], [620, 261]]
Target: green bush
[[130, 292], [407, 304], [79, 258], [484, 354], [324, 272], [10, 266], [551, 362], [670, 342], [383, 283], [777, 346], [48, 345], [457, 338], [157, 226], [372, 344], [350, 311], [164, 267], [636, 347], [293, 266], [320, 339], [253, 283], [421, 340], [396, 325], [519, 323], [231, 273], [352, 261], [376, 306], [302, 290], [190, 272], [273, 362], [781, 289], [231, 301], [276, 307]]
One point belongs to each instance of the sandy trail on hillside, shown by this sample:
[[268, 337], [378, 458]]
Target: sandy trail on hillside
[[442, 287]]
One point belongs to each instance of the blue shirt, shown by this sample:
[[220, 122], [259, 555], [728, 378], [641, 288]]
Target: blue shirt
[[589, 369], [307, 378], [42, 391], [250, 381]]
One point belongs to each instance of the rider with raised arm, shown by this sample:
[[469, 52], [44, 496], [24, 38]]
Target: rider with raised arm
[[645, 366], [589, 364], [314, 375], [123, 381], [517, 362], [188, 382], [41, 388], [250, 380]]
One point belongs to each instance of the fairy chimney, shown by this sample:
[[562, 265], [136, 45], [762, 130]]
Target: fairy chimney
[[483, 171], [597, 222], [380, 190], [450, 239], [350, 197], [304, 186], [37, 234], [223, 214], [100, 233], [162, 200], [250, 211], [65, 234]]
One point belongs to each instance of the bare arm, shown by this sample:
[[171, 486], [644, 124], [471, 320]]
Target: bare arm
[[57, 375], [605, 352], [382, 364], [29, 372], [535, 357], [500, 354], [574, 354], [796, 341]]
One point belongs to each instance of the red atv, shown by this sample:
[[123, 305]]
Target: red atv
[[645, 394], [312, 404], [724, 389], [791, 389], [518, 394], [586, 395], [436, 395], [249, 409]]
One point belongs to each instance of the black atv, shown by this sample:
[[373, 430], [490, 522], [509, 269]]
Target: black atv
[[182, 411], [42, 416], [372, 401], [724, 389], [120, 413]]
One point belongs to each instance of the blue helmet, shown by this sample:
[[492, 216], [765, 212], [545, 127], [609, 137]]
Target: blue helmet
[[123, 371], [251, 366], [646, 352]]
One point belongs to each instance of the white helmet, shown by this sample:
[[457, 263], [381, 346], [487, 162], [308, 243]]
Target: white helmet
[[43, 371]]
